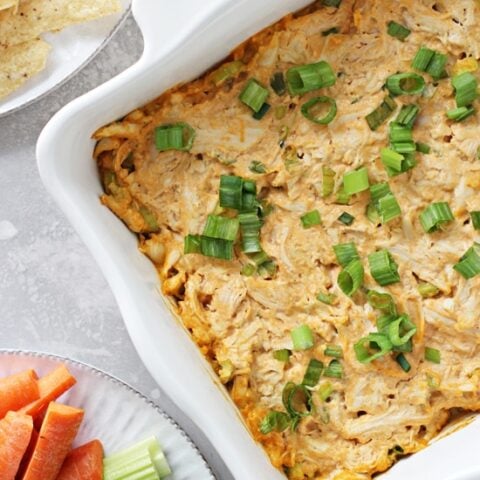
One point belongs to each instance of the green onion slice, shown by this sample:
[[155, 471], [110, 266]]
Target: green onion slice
[[405, 84], [330, 31], [328, 181], [345, 253], [460, 114], [373, 346], [346, 219], [302, 338], [383, 268], [254, 95], [388, 208], [313, 373], [277, 82], [423, 147], [221, 227], [335, 351], [401, 330], [343, 198], [475, 216], [465, 86], [305, 78], [314, 111], [282, 355], [384, 321], [334, 369], [403, 362], [372, 214], [433, 355], [393, 161], [311, 219], [325, 390], [407, 115], [327, 298], [350, 279], [274, 422], [248, 270], [382, 301], [216, 248], [231, 192], [262, 112], [469, 264], [435, 216], [191, 244], [297, 400], [381, 113], [257, 167], [356, 181], [397, 30], [226, 71], [176, 136], [436, 67], [427, 290]]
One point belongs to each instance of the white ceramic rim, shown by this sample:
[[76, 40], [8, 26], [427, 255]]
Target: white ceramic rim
[[113, 379], [64, 80]]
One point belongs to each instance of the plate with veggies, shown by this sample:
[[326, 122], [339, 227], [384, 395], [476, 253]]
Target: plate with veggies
[[63, 420]]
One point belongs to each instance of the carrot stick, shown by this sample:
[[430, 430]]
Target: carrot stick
[[15, 432], [28, 454], [50, 387], [83, 463], [55, 439], [18, 390]]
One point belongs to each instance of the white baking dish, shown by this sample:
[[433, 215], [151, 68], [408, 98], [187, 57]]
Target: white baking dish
[[182, 39]]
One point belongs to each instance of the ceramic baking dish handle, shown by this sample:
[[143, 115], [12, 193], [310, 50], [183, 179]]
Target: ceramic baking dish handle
[[166, 24]]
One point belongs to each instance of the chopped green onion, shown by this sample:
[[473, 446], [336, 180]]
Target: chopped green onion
[[372, 214], [254, 95], [465, 86], [248, 270], [257, 167], [231, 192], [423, 147], [262, 112], [302, 338], [149, 218], [388, 208], [305, 78], [356, 181], [350, 279], [334, 370], [406, 347], [345, 253], [259, 258], [422, 59], [335, 351], [381, 113], [250, 225], [400, 133], [401, 330], [403, 362], [191, 244], [379, 190], [328, 182], [326, 298], [383, 268], [346, 218], [394, 162], [407, 115], [330, 31], [277, 82], [405, 84], [398, 31], [475, 216], [311, 219], [221, 227], [216, 248], [325, 390], [268, 269], [435, 216], [382, 301], [313, 373], [282, 355], [433, 355], [176, 136], [343, 198], [274, 422], [436, 67], [313, 110], [460, 114], [469, 264], [226, 71], [384, 321], [332, 3], [297, 400], [373, 346], [427, 290], [143, 460]]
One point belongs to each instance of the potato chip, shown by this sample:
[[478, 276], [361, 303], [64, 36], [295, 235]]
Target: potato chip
[[20, 62], [37, 16], [4, 4]]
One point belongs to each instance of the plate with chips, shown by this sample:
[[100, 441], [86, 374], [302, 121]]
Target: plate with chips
[[45, 42]]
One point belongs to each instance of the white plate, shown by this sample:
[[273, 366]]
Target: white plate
[[179, 47], [72, 49], [115, 413]]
